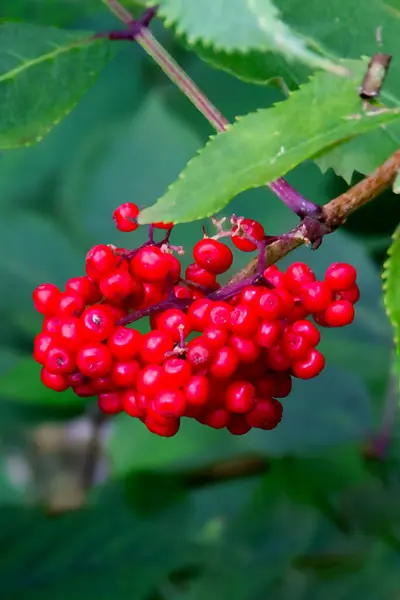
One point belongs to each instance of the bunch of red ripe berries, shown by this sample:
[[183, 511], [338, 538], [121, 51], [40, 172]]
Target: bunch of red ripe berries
[[224, 356]]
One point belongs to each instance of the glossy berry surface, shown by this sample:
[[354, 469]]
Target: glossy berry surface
[[125, 217]]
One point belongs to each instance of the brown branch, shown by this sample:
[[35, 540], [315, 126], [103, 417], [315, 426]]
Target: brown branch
[[334, 213]]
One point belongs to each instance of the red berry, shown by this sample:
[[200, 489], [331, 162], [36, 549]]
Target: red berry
[[298, 311], [197, 390], [54, 381], [352, 294], [100, 260], [308, 330], [170, 403], [132, 403], [286, 299], [271, 306], [117, 286], [340, 276], [169, 429], [160, 225], [76, 378], [276, 359], [150, 264], [239, 397], [268, 333], [71, 333], [152, 294], [215, 337], [219, 314], [177, 372], [94, 360], [275, 277], [84, 287], [103, 385], [247, 227], [294, 345], [46, 299], [174, 267], [196, 274], [213, 255], [251, 295], [110, 403], [182, 292], [97, 322], [124, 343], [198, 313], [60, 360], [266, 414], [150, 380], [51, 324], [172, 321], [310, 366], [283, 385], [125, 217], [198, 353], [339, 313], [243, 320], [224, 363], [70, 305], [217, 419], [155, 345], [42, 344], [246, 349], [124, 374], [298, 275], [316, 296], [84, 390], [238, 425]]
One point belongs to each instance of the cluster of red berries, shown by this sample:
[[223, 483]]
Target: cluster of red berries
[[231, 375]]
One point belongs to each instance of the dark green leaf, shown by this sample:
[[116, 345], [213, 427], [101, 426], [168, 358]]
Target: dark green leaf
[[43, 73], [391, 288]]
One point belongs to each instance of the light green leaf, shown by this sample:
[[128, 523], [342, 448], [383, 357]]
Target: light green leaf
[[265, 145], [391, 287], [43, 73], [396, 184]]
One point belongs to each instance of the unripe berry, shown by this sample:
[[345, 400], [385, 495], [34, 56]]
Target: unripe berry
[[213, 255]]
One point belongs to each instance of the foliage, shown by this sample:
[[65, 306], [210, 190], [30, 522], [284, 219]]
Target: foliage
[[319, 518]]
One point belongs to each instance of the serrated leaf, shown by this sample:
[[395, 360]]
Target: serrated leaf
[[241, 25], [265, 145], [391, 287], [43, 73]]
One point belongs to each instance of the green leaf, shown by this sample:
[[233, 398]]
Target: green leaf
[[391, 287], [43, 73], [396, 184], [48, 12], [242, 25], [261, 147]]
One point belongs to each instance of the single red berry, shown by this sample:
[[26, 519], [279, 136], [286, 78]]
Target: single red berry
[[70, 305], [316, 296], [150, 264], [352, 294], [110, 403], [182, 292], [247, 227], [266, 414], [251, 295], [84, 287], [94, 360], [215, 337], [170, 403], [198, 313], [150, 380], [219, 315], [116, 310], [160, 225], [124, 373], [308, 330], [71, 333], [124, 343], [84, 390], [268, 333], [198, 353], [238, 425], [103, 385], [271, 306], [177, 372], [310, 366], [100, 260], [97, 322], [51, 324], [54, 381], [224, 363], [60, 360], [294, 345], [132, 403], [125, 217], [298, 311], [298, 275], [243, 321], [46, 299], [152, 294], [283, 385], [196, 274], [239, 397], [76, 378], [286, 299], [213, 255], [275, 277], [339, 314], [276, 359], [174, 267], [155, 345], [319, 318], [197, 390], [246, 349], [42, 344], [169, 429], [217, 419], [117, 286], [172, 321], [340, 276]]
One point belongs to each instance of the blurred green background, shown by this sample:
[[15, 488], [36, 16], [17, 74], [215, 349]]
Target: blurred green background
[[176, 519]]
